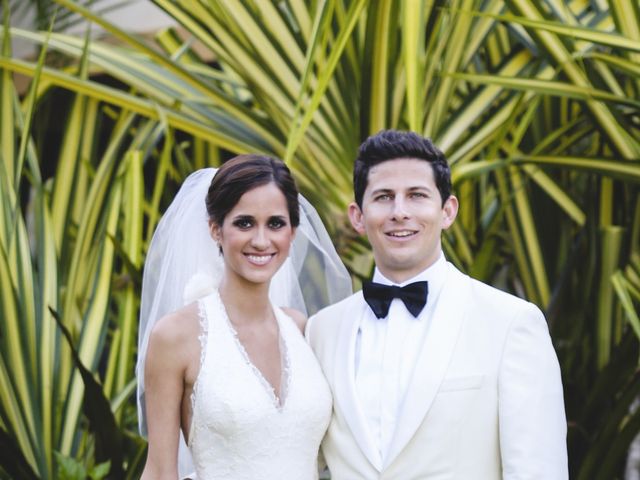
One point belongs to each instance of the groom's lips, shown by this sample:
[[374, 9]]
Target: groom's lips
[[403, 234]]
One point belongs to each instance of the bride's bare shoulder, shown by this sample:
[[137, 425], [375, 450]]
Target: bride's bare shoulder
[[181, 327], [173, 353]]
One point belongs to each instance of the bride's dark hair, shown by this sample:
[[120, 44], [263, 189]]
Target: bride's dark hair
[[246, 172]]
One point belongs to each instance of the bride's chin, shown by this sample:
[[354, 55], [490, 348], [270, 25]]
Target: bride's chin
[[259, 277]]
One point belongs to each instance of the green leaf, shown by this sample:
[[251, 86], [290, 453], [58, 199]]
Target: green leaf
[[98, 411], [69, 468], [549, 87], [12, 459], [100, 471], [621, 287], [589, 34]]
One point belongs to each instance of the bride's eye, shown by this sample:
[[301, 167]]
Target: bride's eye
[[243, 223], [276, 223]]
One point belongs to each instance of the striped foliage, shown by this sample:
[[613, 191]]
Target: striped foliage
[[535, 104]]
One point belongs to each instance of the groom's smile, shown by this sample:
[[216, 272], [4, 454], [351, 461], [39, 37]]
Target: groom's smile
[[402, 234]]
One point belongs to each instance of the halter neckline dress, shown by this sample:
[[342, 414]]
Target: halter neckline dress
[[240, 429]]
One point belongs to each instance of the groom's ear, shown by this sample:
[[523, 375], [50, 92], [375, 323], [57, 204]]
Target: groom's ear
[[449, 211], [356, 217]]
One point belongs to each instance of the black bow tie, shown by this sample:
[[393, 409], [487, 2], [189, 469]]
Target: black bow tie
[[379, 297]]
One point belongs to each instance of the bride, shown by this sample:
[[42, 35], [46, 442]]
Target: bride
[[223, 368]]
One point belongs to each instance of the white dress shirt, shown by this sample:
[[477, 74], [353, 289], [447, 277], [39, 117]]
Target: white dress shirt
[[386, 351]]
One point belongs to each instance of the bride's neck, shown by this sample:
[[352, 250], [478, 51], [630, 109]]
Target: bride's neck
[[247, 302]]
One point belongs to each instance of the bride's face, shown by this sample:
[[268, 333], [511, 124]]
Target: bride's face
[[256, 234]]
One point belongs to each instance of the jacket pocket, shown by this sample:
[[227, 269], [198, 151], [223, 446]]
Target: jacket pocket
[[452, 384]]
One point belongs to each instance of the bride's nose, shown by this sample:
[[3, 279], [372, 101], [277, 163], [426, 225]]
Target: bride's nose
[[260, 240]]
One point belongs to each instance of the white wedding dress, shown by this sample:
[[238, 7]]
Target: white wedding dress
[[239, 428]]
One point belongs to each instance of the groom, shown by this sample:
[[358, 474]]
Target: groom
[[434, 375]]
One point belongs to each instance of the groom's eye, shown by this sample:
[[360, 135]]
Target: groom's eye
[[418, 195]]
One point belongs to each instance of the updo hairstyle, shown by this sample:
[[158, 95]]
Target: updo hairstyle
[[246, 172]]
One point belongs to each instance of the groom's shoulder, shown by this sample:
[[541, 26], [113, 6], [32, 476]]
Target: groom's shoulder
[[336, 309], [491, 298], [332, 316]]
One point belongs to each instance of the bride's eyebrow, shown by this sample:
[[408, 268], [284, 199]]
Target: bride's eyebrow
[[243, 217]]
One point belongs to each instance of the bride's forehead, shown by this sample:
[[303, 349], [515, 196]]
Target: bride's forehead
[[263, 200], [262, 196]]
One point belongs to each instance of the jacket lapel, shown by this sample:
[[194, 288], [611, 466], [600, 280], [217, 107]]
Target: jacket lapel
[[345, 392], [433, 359]]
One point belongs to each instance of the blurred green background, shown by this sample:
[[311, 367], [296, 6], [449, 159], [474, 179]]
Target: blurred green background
[[535, 103]]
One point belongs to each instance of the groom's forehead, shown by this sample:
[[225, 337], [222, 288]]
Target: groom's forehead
[[402, 172]]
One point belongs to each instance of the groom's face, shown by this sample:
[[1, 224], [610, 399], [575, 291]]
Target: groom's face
[[403, 217]]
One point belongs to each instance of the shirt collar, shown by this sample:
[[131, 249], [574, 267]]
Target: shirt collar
[[433, 274]]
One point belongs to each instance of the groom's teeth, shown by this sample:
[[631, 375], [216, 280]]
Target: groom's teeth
[[405, 233]]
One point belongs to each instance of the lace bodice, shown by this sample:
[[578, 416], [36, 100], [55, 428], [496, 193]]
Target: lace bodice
[[240, 429]]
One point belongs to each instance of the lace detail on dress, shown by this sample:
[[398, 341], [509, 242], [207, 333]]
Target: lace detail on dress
[[202, 338], [278, 403], [285, 366], [239, 432]]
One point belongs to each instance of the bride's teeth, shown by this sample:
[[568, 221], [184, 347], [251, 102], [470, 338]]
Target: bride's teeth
[[401, 234], [259, 258]]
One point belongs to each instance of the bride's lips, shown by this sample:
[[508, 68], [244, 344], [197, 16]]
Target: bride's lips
[[259, 259]]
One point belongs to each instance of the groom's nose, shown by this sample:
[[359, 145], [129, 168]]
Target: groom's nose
[[399, 208]]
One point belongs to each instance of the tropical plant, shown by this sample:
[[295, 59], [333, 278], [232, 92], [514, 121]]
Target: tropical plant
[[534, 103], [41, 13], [70, 245]]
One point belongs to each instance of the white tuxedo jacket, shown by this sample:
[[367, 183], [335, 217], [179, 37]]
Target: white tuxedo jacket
[[485, 400]]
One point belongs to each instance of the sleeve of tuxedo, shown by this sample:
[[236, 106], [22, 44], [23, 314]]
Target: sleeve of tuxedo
[[532, 421]]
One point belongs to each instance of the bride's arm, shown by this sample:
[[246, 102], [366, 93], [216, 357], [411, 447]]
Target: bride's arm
[[165, 368]]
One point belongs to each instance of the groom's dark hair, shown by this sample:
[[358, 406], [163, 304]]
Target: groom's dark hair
[[392, 145]]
